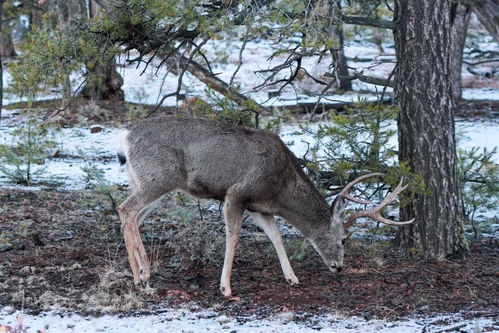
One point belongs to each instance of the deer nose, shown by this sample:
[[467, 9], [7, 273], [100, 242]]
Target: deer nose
[[336, 269]]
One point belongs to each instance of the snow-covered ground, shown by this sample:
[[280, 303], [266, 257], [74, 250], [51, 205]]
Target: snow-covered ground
[[148, 85], [98, 149], [254, 58], [184, 320], [483, 134]]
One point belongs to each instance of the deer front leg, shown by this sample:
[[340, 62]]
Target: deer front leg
[[233, 214], [269, 226]]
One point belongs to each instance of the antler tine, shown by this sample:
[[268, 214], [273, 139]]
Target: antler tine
[[375, 212], [392, 196], [347, 188], [376, 216]]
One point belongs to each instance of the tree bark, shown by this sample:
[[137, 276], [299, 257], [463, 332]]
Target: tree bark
[[459, 30], [1, 59], [35, 18], [6, 45], [104, 81], [340, 61], [338, 53], [426, 127]]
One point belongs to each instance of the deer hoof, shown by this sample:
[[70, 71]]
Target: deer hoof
[[141, 280], [226, 291], [148, 290], [137, 280], [144, 272], [293, 281]]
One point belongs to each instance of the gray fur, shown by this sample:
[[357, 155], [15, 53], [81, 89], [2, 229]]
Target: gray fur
[[247, 168]]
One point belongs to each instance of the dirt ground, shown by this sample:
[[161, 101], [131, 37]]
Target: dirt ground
[[65, 249]]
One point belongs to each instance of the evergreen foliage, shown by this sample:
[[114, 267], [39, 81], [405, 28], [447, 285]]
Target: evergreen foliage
[[362, 140], [478, 184], [50, 56], [29, 147], [357, 142]]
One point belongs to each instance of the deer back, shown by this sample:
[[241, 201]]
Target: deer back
[[207, 158]]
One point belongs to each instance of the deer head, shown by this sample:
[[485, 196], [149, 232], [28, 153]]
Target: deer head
[[330, 243]]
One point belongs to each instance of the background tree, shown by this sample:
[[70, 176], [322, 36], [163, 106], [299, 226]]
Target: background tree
[[10, 17], [2, 2], [459, 31], [62, 24], [104, 81], [338, 52], [487, 12]]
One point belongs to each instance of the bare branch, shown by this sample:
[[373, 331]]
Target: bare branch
[[293, 57], [372, 22], [480, 62], [204, 75], [181, 75], [239, 64], [368, 79]]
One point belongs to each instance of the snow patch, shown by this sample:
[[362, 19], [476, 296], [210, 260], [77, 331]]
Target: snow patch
[[183, 320]]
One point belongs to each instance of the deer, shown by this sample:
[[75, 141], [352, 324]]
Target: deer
[[249, 170]]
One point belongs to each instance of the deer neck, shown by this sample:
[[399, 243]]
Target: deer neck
[[305, 208]]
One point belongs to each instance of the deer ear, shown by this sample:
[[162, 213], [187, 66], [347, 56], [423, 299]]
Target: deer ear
[[337, 208]]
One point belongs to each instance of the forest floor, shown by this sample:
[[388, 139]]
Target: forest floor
[[62, 252], [63, 249]]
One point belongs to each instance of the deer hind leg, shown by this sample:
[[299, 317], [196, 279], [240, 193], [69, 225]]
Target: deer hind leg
[[233, 214], [269, 226], [131, 212]]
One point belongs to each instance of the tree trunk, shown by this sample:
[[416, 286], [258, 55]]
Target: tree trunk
[[104, 81], [487, 12], [378, 40], [6, 45], [340, 61], [35, 18], [426, 127], [338, 53], [1, 59], [458, 38]]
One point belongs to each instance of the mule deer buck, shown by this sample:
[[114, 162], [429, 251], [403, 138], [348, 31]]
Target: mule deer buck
[[249, 169]]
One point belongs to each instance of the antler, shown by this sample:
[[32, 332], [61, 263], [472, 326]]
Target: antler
[[347, 188], [375, 212]]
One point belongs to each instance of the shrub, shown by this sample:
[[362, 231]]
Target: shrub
[[357, 142], [29, 147], [478, 183]]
